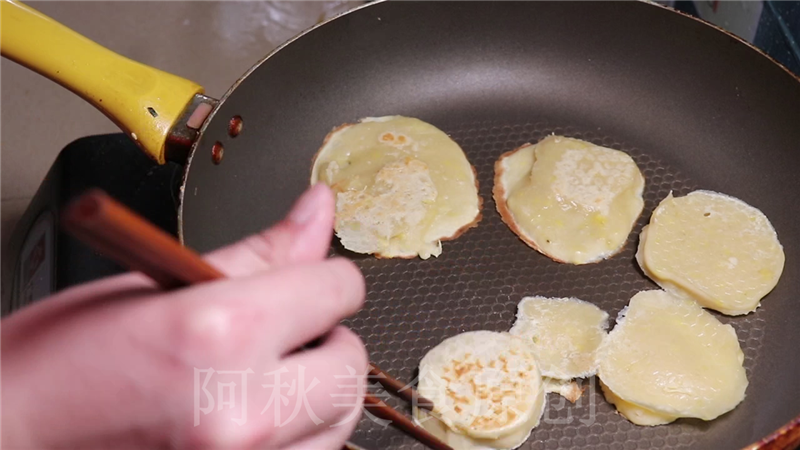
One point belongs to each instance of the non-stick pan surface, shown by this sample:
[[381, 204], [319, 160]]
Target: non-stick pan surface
[[695, 107]]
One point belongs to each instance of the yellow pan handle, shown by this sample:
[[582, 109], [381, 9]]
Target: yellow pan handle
[[144, 102]]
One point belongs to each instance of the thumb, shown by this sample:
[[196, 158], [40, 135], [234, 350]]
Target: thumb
[[303, 236]]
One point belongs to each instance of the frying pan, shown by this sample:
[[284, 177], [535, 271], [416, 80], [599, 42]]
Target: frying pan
[[694, 106]]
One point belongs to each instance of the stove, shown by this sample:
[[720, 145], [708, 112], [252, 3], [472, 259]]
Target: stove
[[47, 259]]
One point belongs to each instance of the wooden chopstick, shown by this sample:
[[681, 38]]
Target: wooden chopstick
[[122, 235], [403, 423], [350, 446], [398, 388]]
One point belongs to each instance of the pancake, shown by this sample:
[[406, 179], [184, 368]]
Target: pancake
[[486, 388], [712, 248], [668, 358], [563, 333], [402, 187], [571, 200]]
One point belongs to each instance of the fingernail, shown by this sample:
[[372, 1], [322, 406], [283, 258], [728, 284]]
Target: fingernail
[[306, 207]]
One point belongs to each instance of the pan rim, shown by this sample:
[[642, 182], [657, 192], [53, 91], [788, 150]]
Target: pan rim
[[769, 442], [729, 34]]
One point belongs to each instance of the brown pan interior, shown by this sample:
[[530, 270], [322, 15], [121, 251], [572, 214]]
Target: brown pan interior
[[695, 107]]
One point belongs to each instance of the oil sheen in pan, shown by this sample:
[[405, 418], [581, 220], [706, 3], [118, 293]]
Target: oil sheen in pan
[[478, 281]]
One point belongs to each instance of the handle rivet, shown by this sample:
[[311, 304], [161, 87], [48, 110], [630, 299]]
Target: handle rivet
[[216, 152], [235, 126]]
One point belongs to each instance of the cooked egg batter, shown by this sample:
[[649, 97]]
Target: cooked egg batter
[[574, 201], [487, 390], [667, 358], [712, 248], [402, 186], [563, 333]]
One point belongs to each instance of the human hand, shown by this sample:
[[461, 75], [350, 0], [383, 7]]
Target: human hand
[[114, 363]]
